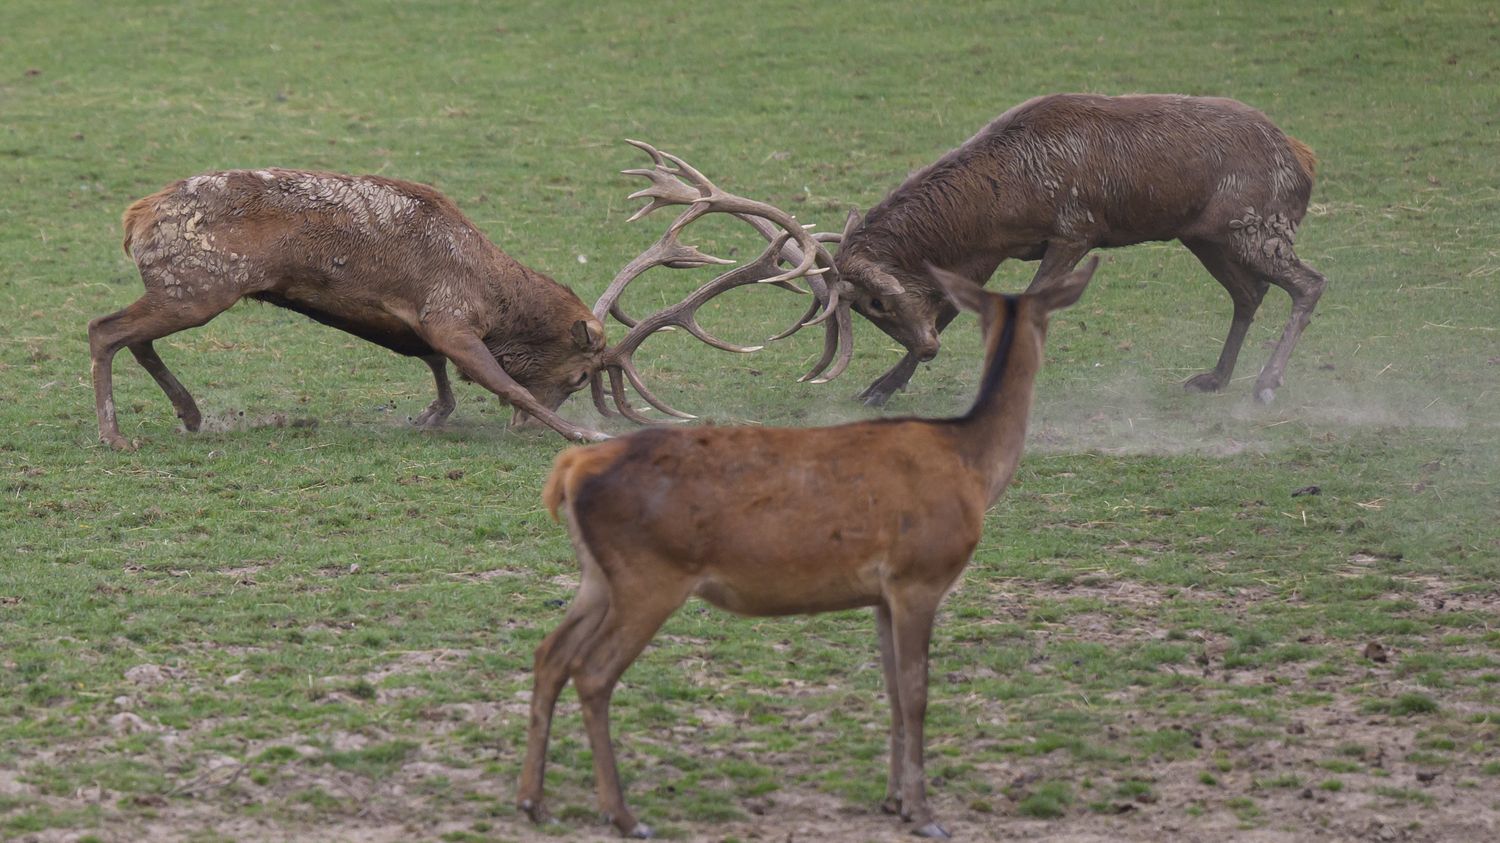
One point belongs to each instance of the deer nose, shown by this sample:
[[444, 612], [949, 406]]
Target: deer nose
[[926, 347]]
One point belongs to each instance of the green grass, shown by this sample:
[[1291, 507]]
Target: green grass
[[345, 612]]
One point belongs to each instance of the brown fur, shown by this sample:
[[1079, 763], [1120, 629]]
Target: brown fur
[[390, 261], [1060, 175], [1305, 157], [766, 521]]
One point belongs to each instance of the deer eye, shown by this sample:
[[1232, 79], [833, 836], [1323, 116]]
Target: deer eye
[[877, 305]]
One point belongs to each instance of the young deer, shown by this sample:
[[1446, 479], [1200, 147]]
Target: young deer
[[763, 521]]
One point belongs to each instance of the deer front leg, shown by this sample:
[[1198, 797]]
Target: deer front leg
[[912, 632], [469, 354], [895, 380], [890, 383], [442, 406], [892, 803]]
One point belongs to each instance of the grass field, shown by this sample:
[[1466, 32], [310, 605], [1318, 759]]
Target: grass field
[[310, 622]]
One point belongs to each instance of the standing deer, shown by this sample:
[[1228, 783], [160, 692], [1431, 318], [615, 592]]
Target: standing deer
[[395, 263], [1060, 175], [765, 521]]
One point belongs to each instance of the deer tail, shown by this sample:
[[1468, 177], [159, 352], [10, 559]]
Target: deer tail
[[572, 469], [138, 218], [1305, 157]]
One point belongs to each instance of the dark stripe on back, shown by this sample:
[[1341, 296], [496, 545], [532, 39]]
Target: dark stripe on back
[[996, 370]]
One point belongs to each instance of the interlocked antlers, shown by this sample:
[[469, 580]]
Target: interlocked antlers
[[675, 182]]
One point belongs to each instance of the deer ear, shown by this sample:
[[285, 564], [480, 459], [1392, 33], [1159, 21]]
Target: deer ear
[[588, 335], [883, 283], [1065, 291], [965, 294], [851, 222]]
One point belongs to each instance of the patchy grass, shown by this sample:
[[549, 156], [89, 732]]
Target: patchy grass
[[281, 629]]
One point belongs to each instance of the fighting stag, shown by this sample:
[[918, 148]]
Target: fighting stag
[[396, 263], [763, 521], [1060, 175]]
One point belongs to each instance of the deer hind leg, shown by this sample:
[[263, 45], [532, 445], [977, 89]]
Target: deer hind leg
[[550, 673], [182, 401], [1305, 285], [442, 406], [636, 611], [892, 803], [1246, 291], [1060, 258], [1263, 245], [148, 318], [911, 628]]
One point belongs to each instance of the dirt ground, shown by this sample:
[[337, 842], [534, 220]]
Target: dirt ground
[[1389, 798]]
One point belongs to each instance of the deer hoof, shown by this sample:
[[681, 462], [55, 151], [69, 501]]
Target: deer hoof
[[932, 831], [191, 421], [641, 831], [535, 811], [873, 397], [1265, 395], [118, 443], [1203, 382]]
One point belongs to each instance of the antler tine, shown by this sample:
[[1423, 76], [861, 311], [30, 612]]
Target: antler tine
[[666, 251], [723, 201], [840, 336], [673, 181], [620, 358]]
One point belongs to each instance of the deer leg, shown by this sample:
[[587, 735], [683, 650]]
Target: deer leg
[[892, 803], [438, 411], [890, 383], [469, 354], [1246, 291], [895, 380], [911, 627], [148, 318], [1061, 258], [1305, 285], [635, 614], [550, 673], [182, 402]]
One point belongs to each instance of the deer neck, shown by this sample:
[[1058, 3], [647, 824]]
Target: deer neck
[[993, 432]]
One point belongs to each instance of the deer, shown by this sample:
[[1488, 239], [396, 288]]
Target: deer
[[1058, 176], [882, 513], [398, 264]]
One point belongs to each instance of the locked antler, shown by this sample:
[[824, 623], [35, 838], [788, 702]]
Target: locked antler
[[675, 182]]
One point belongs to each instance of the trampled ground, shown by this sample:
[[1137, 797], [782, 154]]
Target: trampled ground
[[310, 622]]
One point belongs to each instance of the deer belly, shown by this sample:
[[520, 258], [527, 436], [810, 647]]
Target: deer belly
[[810, 588]]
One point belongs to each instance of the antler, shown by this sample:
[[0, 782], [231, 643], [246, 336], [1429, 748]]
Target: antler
[[675, 182]]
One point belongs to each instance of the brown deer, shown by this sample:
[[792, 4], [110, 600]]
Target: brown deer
[[395, 263], [1060, 175], [762, 521]]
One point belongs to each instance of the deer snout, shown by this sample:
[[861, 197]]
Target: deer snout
[[927, 345]]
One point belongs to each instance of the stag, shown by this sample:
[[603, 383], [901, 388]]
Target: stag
[[1060, 175], [396, 263], [763, 522]]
